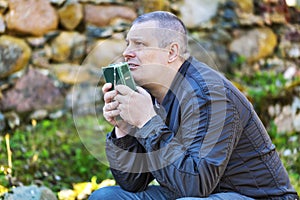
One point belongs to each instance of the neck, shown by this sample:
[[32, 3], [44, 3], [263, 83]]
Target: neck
[[159, 93], [161, 86]]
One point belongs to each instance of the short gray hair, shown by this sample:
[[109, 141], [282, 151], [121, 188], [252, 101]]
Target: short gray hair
[[172, 29]]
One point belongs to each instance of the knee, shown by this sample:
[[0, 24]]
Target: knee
[[103, 193]]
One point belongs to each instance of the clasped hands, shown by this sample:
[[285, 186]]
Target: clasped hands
[[135, 108]]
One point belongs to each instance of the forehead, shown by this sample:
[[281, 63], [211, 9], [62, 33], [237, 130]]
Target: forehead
[[144, 29]]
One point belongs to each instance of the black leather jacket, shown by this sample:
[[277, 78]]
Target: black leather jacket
[[206, 138]]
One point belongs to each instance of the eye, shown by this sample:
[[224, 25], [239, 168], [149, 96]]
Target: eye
[[139, 43]]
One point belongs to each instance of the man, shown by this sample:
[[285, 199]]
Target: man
[[187, 127]]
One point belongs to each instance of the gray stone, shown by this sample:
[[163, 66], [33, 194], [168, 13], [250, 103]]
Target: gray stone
[[39, 114], [195, 12], [14, 55], [31, 192], [84, 99]]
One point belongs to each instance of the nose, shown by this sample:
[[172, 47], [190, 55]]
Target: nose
[[128, 53]]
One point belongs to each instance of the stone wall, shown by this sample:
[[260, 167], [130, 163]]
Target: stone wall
[[51, 51]]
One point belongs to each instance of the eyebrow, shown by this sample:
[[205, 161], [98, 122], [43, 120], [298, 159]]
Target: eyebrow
[[135, 38]]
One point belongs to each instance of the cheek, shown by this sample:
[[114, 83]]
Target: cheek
[[160, 58]]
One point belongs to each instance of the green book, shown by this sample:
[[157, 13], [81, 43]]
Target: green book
[[119, 73]]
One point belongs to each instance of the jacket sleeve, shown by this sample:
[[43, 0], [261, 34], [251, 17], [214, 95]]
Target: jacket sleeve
[[127, 163], [191, 161]]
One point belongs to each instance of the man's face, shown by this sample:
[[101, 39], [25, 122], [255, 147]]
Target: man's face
[[143, 54]]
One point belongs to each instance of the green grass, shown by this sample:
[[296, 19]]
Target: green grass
[[61, 152], [54, 154]]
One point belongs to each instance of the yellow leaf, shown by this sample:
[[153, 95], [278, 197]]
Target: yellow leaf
[[83, 189], [67, 195], [94, 183], [3, 190], [107, 182]]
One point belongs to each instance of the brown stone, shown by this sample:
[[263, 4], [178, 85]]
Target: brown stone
[[14, 55], [71, 15], [153, 5], [105, 52], [34, 17], [71, 73], [255, 44], [68, 46], [102, 15], [32, 91], [245, 5]]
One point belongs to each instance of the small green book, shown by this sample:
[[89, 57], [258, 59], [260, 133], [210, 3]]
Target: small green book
[[119, 73]]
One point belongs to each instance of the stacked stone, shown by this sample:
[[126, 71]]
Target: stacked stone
[[50, 47]]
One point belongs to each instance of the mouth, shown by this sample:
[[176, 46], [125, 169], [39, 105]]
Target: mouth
[[132, 66]]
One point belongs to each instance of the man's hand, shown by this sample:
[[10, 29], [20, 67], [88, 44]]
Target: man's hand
[[110, 111], [134, 107]]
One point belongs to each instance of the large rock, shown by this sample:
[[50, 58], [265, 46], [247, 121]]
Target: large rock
[[105, 52], [32, 91], [31, 192], [14, 55], [68, 46], [104, 15], [71, 15], [196, 12], [74, 74], [84, 99], [289, 45], [31, 17], [255, 44]]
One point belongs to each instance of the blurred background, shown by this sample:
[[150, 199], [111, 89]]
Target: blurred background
[[51, 54]]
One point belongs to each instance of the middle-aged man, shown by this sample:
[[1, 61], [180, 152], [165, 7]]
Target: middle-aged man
[[187, 126]]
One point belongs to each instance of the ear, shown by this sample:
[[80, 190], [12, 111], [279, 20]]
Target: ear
[[173, 52]]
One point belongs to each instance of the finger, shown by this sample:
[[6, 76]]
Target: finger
[[121, 107], [111, 106], [122, 99], [123, 89], [106, 87], [109, 96], [111, 114]]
